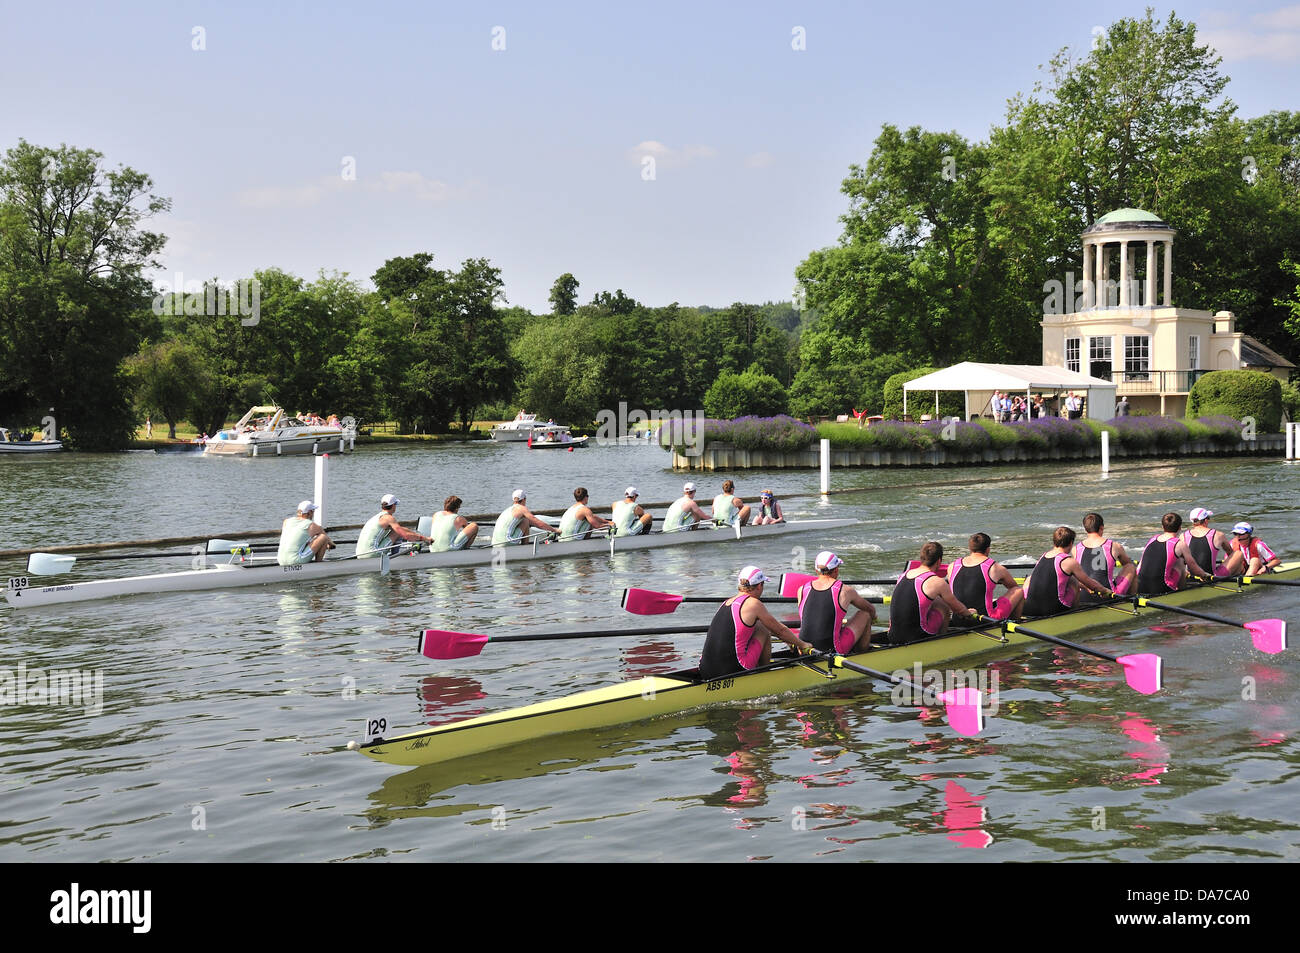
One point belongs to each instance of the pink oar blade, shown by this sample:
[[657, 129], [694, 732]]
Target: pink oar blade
[[791, 582], [649, 602], [1142, 672], [1269, 635], [965, 708], [441, 644]]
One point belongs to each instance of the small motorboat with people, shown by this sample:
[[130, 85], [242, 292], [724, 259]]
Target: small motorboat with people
[[23, 443], [268, 430], [557, 440], [525, 427]]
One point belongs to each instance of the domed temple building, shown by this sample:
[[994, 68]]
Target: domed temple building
[[1126, 328]]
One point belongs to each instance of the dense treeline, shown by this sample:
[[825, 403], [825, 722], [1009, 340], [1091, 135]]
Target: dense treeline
[[948, 244], [947, 248]]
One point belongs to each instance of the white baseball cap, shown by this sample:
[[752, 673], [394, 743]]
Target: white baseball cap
[[1244, 528], [1200, 513], [389, 500], [828, 560], [519, 495], [307, 506], [631, 491], [688, 488], [752, 576]]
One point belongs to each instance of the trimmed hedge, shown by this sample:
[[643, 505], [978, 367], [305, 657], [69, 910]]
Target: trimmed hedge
[[1239, 394], [781, 433]]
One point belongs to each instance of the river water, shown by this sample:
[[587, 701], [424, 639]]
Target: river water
[[225, 716]]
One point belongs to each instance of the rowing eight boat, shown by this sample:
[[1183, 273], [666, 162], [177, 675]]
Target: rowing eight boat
[[243, 571], [680, 691]]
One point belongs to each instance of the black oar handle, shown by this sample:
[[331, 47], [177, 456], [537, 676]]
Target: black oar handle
[[1208, 617], [879, 600], [1010, 626], [597, 633]]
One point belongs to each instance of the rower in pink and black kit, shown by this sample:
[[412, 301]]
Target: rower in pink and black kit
[[974, 578], [1166, 560], [922, 603], [738, 636], [1054, 585], [1104, 559], [1205, 544], [822, 607]]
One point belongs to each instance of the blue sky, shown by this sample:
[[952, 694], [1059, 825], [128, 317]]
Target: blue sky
[[532, 155]]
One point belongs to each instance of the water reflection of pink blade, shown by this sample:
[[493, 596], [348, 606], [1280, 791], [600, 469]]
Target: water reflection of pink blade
[[964, 816], [1153, 754]]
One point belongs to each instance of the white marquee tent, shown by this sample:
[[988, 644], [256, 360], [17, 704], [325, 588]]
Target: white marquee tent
[[979, 381]]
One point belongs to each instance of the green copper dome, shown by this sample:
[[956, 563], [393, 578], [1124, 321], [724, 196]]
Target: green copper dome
[[1124, 219]]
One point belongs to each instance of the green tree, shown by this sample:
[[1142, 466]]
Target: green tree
[[171, 379], [73, 299], [564, 294], [753, 392]]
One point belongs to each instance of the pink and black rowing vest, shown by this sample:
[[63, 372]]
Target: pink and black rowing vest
[[912, 614], [822, 619], [973, 585], [1098, 562], [1158, 572], [1047, 590], [1203, 551], [730, 646]]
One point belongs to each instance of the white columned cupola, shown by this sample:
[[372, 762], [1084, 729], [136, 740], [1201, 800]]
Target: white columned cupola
[[1128, 229]]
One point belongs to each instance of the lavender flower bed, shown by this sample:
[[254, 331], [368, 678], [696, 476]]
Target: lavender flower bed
[[1163, 433], [781, 434]]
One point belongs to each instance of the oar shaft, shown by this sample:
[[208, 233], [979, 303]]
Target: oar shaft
[[1208, 617], [1017, 627], [598, 633]]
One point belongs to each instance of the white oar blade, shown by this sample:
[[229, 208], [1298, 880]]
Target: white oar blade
[[47, 564], [223, 546]]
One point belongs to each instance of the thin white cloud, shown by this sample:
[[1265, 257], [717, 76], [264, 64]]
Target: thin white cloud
[[759, 160], [670, 158], [1273, 35], [413, 184]]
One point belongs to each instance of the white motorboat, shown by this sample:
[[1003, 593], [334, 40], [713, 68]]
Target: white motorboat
[[10, 445], [268, 430], [523, 427], [244, 569]]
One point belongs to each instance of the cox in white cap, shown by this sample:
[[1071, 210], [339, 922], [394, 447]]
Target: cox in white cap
[[1243, 529], [631, 491], [307, 506], [1200, 514], [389, 500], [688, 488], [827, 560], [519, 495], [752, 576]]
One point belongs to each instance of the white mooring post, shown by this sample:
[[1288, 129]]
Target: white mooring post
[[826, 466], [321, 463], [1105, 451], [1292, 441]]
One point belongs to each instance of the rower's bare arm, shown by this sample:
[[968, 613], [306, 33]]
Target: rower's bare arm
[[1122, 557], [858, 601], [780, 629]]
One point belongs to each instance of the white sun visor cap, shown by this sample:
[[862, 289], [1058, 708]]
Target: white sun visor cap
[[688, 488], [752, 576], [1200, 513], [828, 560], [389, 500], [307, 506], [631, 491], [518, 495]]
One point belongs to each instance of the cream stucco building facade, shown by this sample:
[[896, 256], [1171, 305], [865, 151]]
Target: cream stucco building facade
[[1119, 322]]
